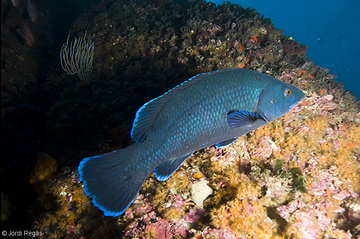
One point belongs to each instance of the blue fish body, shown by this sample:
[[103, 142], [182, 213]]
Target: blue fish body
[[213, 108]]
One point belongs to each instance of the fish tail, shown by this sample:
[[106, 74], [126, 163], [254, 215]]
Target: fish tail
[[111, 180]]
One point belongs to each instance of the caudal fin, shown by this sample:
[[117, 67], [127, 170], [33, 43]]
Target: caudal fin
[[110, 181]]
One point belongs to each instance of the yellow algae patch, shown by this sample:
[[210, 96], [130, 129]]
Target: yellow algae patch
[[245, 214]]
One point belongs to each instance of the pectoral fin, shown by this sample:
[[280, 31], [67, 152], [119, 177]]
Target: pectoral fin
[[243, 118]]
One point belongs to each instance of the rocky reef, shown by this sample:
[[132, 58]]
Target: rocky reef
[[296, 177]]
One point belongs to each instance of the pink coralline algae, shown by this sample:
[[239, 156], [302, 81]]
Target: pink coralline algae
[[322, 104], [215, 233], [291, 75], [140, 207], [305, 225], [328, 183], [265, 148], [163, 229], [194, 215], [286, 210], [175, 200], [308, 220]]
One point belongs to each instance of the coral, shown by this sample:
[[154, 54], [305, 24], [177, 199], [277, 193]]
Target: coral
[[76, 57]]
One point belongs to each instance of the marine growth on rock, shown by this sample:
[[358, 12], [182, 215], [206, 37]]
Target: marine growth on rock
[[295, 177]]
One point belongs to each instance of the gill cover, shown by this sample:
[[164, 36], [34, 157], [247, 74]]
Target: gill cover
[[278, 99]]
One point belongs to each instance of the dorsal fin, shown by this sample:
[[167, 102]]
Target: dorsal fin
[[147, 114]]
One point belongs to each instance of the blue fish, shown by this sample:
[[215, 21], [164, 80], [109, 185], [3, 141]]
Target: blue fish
[[212, 108]]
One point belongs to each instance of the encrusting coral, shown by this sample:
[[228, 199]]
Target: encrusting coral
[[295, 177]]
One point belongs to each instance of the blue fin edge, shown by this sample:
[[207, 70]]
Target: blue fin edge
[[225, 143], [93, 197], [170, 163]]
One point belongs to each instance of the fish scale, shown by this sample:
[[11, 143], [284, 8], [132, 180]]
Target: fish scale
[[213, 108]]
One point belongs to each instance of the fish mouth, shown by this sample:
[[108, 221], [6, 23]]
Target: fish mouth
[[297, 102]]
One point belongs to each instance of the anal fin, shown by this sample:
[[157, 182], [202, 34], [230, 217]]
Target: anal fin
[[166, 169], [225, 143]]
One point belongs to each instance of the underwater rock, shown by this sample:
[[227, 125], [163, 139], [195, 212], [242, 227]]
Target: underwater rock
[[296, 177], [5, 207], [45, 166]]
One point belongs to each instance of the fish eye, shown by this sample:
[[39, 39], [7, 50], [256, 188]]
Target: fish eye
[[287, 92]]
